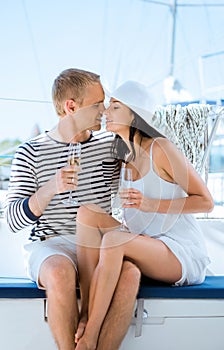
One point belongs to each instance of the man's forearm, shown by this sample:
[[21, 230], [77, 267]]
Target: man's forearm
[[39, 201]]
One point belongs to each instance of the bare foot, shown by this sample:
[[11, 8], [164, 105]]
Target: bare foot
[[84, 345], [81, 328]]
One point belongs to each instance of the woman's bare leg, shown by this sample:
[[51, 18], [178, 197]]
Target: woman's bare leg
[[89, 219]]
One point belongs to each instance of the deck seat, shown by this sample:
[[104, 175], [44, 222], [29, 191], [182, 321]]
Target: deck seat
[[18, 288], [211, 288], [162, 312]]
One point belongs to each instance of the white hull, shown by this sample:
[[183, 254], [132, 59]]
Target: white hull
[[171, 324]]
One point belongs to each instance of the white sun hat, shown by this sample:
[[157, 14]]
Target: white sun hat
[[140, 100], [137, 97]]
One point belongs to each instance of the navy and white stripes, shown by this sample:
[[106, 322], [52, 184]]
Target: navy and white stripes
[[34, 164]]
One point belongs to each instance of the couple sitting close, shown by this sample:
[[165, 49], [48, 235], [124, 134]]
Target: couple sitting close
[[161, 240]]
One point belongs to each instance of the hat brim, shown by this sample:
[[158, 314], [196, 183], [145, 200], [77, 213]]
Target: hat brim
[[122, 95], [148, 118]]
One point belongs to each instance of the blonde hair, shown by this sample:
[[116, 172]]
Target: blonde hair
[[71, 84]]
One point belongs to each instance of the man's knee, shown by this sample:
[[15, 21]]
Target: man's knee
[[131, 275], [131, 270], [57, 272]]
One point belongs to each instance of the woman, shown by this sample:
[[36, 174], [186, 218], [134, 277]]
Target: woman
[[164, 239]]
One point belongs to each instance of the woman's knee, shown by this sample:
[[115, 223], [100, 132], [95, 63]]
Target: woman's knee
[[83, 211], [88, 212], [111, 239], [116, 239]]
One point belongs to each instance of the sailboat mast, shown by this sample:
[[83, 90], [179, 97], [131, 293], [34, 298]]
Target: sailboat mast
[[173, 9]]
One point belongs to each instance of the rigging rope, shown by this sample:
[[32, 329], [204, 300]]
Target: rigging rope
[[185, 126], [23, 100]]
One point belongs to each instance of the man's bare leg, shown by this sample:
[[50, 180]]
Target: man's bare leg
[[120, 313], [58, 276]]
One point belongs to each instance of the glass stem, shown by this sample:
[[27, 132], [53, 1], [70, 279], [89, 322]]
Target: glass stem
[[70, 196], [122, 219]]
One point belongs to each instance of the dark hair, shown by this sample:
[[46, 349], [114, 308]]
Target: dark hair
[[120, 149]]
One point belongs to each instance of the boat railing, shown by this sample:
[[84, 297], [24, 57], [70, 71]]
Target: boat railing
[[5, 165]]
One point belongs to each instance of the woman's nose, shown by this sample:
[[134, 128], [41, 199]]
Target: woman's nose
[[106, 111]]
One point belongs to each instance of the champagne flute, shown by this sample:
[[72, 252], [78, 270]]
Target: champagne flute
[[74, 157], [125, 182]]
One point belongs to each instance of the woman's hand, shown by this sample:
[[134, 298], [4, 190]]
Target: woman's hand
[[132, 198]]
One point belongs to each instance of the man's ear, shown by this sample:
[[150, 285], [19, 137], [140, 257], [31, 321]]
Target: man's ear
[[70, 106]]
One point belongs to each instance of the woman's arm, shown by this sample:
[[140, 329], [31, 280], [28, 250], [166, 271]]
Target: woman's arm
[[172, 166]]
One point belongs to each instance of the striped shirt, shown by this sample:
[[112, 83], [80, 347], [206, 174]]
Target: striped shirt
[[37, 160]]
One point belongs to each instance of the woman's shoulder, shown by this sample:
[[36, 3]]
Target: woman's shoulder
[[168, 156], [162, 144], [165, 150]]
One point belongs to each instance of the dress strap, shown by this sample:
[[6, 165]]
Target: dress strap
[[150, 155]]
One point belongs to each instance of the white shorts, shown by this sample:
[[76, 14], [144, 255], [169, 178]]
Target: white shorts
[[193, 270], [36, 252]]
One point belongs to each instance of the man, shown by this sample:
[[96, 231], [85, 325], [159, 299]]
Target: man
[[40, 181]]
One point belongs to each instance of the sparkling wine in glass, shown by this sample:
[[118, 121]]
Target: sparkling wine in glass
[[125, 182], [74, 157]]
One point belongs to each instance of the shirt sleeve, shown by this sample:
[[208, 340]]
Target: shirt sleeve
[[22, 185]]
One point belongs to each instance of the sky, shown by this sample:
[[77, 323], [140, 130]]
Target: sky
[[118, 39]]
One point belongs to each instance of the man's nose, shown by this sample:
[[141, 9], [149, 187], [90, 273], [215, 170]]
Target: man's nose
[[101, 107]]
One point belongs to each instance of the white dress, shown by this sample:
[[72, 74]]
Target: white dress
[[180, 232]]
